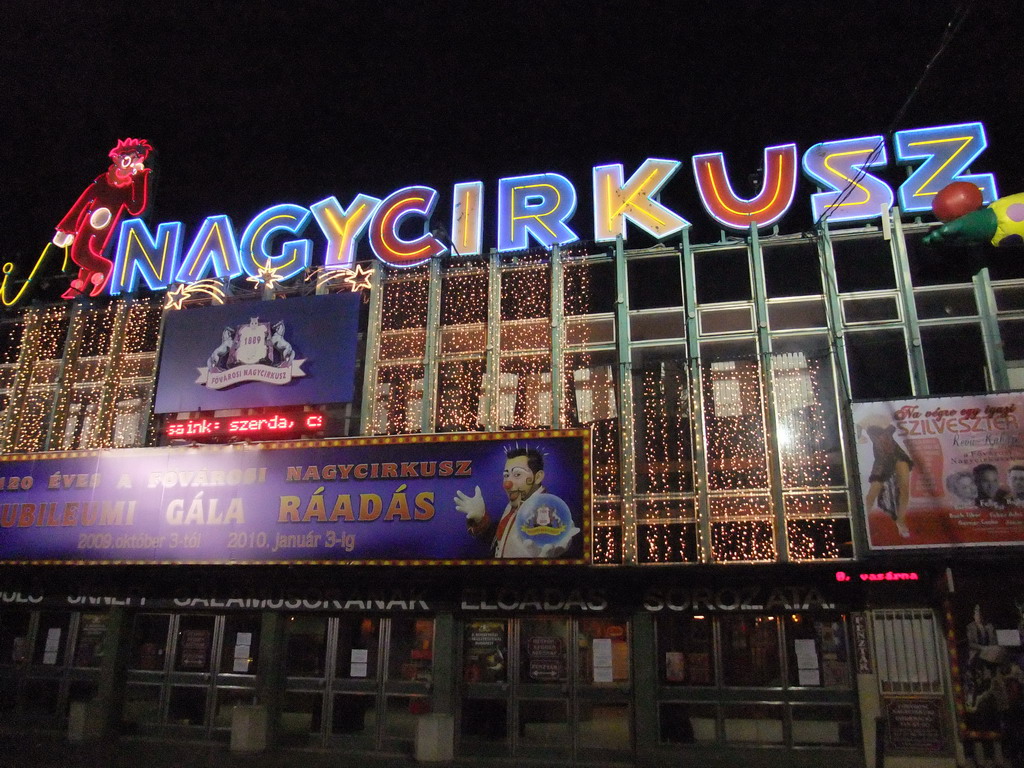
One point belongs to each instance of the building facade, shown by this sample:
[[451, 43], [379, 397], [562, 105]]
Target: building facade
[[728, 603]]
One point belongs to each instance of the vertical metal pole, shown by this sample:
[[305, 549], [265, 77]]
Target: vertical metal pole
[[770, 410], [430, 362], [918, 375], [558, 406], [698, 428], [834, 316], [627, 475], [999, 375]]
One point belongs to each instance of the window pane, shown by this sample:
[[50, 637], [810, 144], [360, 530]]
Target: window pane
[[149, 641], [92, 628], [195, 643], [603, 651], [952, 374], [240, 649], [305, 643], [685, 651], [863, 264], [51, 638], [655, 282], [722, 276], [485, 652], [878, 366], [412, 649], [14, 637], [818, 651], [750, 651], [792, 269], [661, 412], [544, 647], [687, 723]]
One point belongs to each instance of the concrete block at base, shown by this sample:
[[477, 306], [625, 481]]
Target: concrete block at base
[[84, 723], [249, 728], [435, 738]]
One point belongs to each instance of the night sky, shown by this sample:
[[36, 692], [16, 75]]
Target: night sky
[[254, 103]]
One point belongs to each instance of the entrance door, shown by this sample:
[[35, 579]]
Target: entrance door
[[356, 680], [187, 671], [549, 687]]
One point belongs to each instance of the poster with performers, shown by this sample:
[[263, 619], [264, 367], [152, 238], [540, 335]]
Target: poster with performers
[[942, 472]]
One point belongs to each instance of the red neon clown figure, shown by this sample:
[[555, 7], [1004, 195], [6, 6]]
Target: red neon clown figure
[[87, 227]]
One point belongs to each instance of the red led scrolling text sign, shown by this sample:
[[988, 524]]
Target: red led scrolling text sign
[[244, 425], [884, 576]]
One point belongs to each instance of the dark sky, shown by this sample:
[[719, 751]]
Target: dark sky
[[254, 103]]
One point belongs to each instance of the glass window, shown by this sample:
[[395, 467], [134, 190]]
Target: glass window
[[722, 276], [753, 723], [878, 365], [525, 292], [959, 373], [241, 644], [589, 287], [661, 411], [734, 419], [806, 412], [412, 649], [545, 644], [603, 651], [195, 644], [357, 647], [187, 705], [305, 643], [818, 651], [354, 714], [685, 651], [149, 641], [654, 283], [792, 269], [863, 264], [942, 265], [750, 651], [51, 638], [485, 652], [524, 392], [92, 629], [14, 637], [687, 723]]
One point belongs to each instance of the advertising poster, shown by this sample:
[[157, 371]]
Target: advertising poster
[[942, 472], [475, 497], [985, 641], [254, 354]]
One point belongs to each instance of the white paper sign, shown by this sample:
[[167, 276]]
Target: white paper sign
[[358, 669], [806, 654], [809, 677], [359, 656], [52, 639]]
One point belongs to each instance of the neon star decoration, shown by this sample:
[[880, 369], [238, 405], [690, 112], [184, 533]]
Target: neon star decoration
[[267, 277], [358, 278], [182, 292]]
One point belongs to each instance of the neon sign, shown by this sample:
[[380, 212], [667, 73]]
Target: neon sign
[[267, 425], [531, 210], [882, 576]]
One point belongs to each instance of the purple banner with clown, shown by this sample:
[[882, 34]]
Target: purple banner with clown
[[418, 499]]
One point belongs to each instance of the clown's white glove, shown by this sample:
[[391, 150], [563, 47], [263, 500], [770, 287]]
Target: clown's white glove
[[63, 239], [472, 507]]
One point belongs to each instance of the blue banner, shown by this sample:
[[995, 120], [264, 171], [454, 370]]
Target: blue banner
[[474, 497]]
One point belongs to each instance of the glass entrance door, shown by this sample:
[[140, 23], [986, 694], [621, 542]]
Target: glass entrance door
[[356, 680], [187, 671], [546, 687]]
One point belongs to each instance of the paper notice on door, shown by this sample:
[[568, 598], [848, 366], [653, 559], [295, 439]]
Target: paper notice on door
[[243, 638], [809, 677], [240, 663], [603, 660], [806, 654], [358, 669], [52, 639]]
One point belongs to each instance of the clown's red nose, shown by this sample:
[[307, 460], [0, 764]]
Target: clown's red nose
[[508, 485]]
